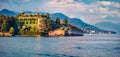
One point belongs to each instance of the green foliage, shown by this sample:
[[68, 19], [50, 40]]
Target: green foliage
[[38, 14], [21, 24], [45, 24], [65, 22], [53, 25], [3, 26], [61, 28], [6, 22], [57, 21], [2, 23], [12, 23], [11, 30], [48, 15]]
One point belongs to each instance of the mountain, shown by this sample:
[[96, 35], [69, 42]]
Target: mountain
[[79, 23], [118, 24], [58, 15], [7, 12], [28, 12], [109, 26], [74, 21]]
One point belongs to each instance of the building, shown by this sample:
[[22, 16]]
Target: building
[[60, 32], [57, 32], [30, 20]]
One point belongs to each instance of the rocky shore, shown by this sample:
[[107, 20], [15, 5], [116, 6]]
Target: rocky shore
[[5, 34]]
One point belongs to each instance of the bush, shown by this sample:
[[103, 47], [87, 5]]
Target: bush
[[11, 30]]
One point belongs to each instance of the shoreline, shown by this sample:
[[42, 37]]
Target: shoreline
[[35, 36]]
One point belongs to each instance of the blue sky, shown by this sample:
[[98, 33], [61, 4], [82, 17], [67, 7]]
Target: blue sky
[[90, 11]]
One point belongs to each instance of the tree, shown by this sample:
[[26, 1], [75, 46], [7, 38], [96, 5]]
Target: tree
[[48, 22], [57, 21], [48, 15], [3, 26], [47, 25], [1, 21], [65, 22], [12, 22], [38, 15], [53, 25], [11, 30], [7, 22]]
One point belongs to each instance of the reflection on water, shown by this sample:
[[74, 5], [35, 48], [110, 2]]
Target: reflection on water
[[85, 46]]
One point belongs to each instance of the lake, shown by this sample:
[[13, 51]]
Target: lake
[[82, 46]]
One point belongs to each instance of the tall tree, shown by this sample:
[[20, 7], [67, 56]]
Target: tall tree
[[11, 30], [3, 26], [65, 22], [48, 15], [57, 21]]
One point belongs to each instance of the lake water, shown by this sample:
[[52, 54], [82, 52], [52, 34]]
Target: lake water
[[83, 46]]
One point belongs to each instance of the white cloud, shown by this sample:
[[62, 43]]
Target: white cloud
[[117, 5], [63, 4], [101, 9], [24, 1], [106, 3], [91, 10], [66, 0], [20, 1], [87, 12], [104, 16]]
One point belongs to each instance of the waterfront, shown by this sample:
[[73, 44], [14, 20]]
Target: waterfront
[[83, 46]]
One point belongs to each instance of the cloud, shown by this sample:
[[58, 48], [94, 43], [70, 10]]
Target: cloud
[[97, 11], [103, 10], [24, 1], [21, 1], [108, 3], [68, 5], [87, 10]]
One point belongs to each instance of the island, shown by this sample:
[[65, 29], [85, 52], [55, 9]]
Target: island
[[36, 25], [41, 24]]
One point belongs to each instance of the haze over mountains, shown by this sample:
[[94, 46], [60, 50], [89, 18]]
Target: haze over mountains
[[109, 26], [74, 21]]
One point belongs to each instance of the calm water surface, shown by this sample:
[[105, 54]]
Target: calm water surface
[[84, 46]]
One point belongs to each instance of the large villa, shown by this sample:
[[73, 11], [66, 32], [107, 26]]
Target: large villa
[[31, 20], [36, 21]]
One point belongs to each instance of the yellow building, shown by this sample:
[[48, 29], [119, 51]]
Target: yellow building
[[30, 20]]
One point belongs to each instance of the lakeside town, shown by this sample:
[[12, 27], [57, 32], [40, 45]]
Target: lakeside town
[[41, 24]]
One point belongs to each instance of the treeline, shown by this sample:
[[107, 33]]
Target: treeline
[[8, 24]]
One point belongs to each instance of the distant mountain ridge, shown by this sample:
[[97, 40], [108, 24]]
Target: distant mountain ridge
[[7, 12], [109, 26], [74, 21], [58, 15]]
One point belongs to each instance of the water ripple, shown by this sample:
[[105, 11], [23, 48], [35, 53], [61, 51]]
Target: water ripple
[[117, 48], [57, 55]]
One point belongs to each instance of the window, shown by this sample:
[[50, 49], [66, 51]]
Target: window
[[26, 22], [34, 21], [30, 21]]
